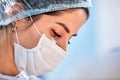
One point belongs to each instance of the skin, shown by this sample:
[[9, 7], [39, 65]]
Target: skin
[[47, 24]]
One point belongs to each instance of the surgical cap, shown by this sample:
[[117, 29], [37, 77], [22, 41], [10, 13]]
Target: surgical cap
[[12, 10]]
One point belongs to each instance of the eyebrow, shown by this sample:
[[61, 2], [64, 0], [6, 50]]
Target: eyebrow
[[64, 26]]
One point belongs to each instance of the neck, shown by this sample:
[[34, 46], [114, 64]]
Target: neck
[[7, 65]]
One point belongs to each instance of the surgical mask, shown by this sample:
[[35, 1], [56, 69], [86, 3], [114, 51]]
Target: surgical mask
[[43, 58]]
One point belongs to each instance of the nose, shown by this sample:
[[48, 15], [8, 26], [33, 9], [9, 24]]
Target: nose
[[63, 45]]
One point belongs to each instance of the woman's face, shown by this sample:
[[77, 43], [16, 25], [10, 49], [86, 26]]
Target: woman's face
[[61, 27]]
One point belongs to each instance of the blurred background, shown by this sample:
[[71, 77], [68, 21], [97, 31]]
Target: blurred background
[[95, 53]]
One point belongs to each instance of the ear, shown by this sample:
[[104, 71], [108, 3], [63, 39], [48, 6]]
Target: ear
[[22, 24]]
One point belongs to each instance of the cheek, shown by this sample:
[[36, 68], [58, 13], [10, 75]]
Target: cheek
[[45, 29], [63, 42]]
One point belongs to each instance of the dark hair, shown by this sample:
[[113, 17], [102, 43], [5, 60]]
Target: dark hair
[[87, 12], [1, 26], [54, 13]]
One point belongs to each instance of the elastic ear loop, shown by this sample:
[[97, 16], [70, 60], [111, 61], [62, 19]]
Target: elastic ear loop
[[16, 34], [35, 26]]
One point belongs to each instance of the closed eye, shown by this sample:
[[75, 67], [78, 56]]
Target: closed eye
[[56, 34]]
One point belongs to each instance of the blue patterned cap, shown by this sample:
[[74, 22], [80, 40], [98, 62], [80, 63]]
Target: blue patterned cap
[[12, 10]]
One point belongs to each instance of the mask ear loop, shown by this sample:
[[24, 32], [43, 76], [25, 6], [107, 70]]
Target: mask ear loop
[[16, 34], [35, 26]]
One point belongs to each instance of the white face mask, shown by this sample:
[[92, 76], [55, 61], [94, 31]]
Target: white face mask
[[39, 60]]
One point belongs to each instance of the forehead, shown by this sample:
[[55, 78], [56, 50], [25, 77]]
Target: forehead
[[74, 18]]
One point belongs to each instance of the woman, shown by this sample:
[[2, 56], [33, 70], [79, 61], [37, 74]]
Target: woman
[[34, 35]]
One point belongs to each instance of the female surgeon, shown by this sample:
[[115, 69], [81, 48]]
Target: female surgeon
[[34, 35]]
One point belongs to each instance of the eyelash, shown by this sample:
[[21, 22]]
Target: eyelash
[[69, 42], [56, 34]]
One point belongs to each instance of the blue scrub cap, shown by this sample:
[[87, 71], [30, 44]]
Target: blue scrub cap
[[12, 10]]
